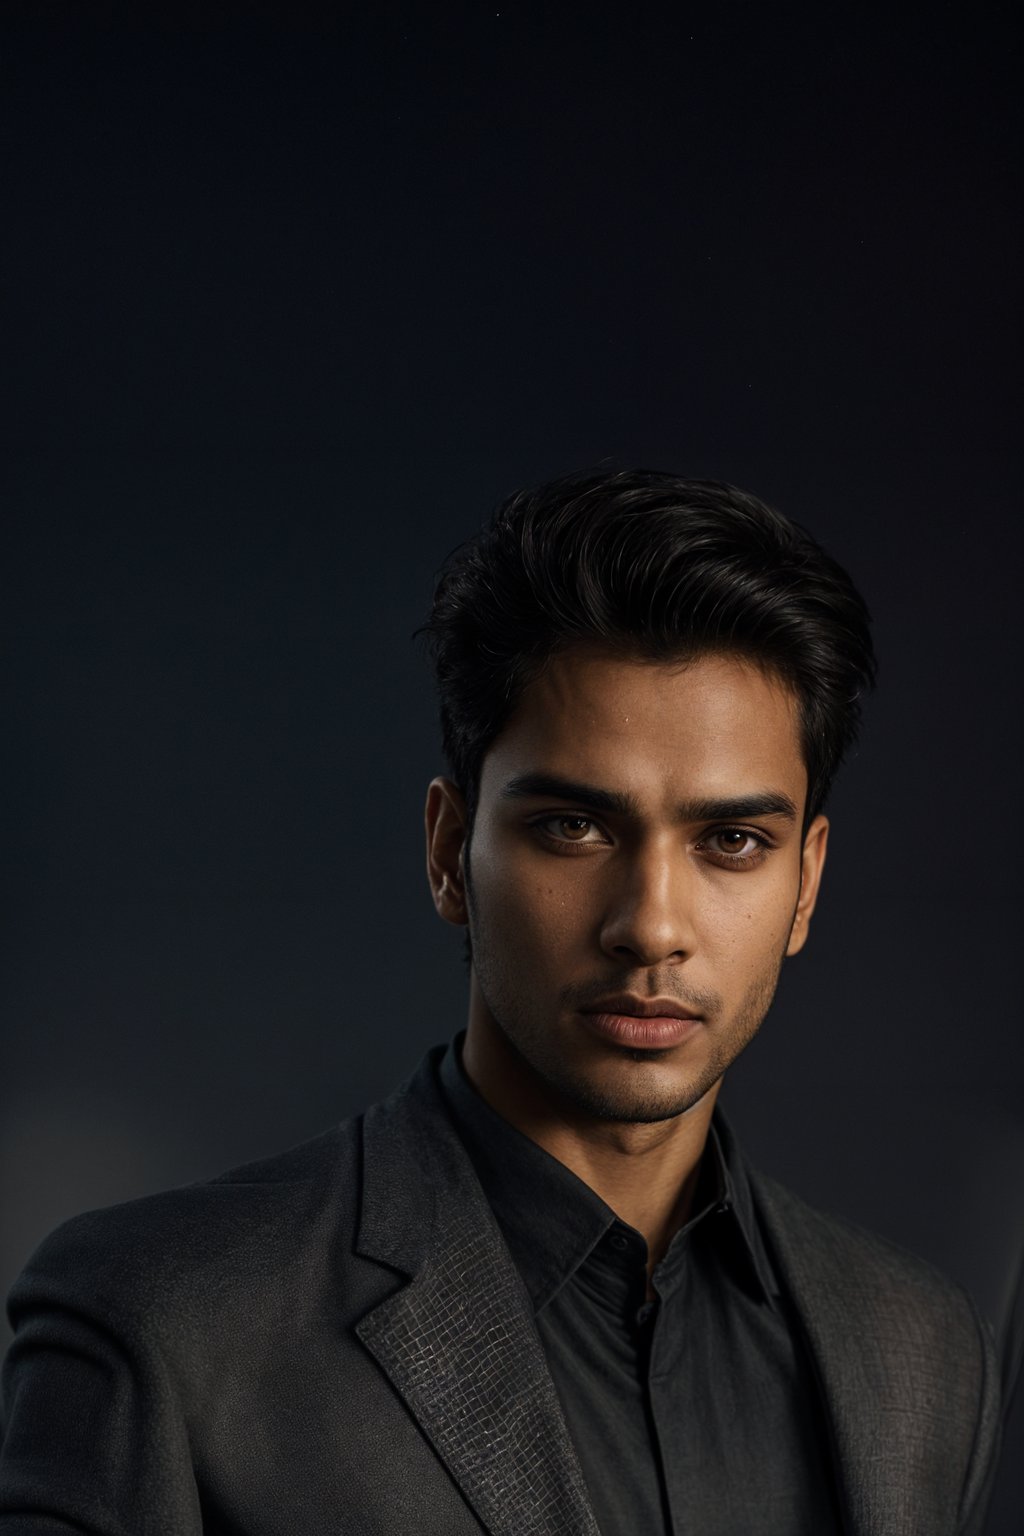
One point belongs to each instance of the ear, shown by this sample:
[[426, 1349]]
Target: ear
[[812, 863], [446, 826]]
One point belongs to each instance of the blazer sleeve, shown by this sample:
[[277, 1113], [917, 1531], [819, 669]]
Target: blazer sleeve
[[94, 1436], [981, 1471]]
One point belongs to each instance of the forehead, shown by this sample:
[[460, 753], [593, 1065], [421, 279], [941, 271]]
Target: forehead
[[718, 725]]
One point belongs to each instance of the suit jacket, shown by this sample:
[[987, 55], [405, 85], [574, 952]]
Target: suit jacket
[[336, 1341]]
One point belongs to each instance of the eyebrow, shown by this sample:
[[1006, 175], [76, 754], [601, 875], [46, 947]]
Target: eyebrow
[[614, 802]]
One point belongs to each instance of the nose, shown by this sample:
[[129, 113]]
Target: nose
[[649, 916]]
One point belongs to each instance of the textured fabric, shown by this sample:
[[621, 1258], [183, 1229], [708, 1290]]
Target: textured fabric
[[275, 1353], [697, 1412], [453, 1344]]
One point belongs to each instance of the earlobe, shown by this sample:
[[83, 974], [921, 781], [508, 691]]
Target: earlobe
[[445, 825]]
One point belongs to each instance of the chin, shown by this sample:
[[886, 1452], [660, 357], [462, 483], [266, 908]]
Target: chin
[[636, 1102]]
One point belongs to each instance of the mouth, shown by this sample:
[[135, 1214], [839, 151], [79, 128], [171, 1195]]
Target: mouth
[[641, 1023]]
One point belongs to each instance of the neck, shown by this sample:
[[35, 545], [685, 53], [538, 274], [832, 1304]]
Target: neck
[[646, 1173]]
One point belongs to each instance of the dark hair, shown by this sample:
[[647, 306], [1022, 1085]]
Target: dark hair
[[654, 566]]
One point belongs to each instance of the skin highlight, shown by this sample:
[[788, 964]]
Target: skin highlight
[[609, 860]]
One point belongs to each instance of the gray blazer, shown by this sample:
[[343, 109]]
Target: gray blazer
[[336, 1341]]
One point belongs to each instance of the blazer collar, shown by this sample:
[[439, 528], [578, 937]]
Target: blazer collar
[[457, 1341]]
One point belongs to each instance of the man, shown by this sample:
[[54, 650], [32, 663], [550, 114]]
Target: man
[[539, 1290]]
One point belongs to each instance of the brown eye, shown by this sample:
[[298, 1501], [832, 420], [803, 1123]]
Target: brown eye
[[735, 844], [568, 831]]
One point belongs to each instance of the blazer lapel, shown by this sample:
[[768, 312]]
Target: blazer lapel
[[458, 1341], [880, 1363]]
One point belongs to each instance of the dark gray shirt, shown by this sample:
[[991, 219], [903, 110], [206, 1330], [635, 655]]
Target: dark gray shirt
[[697, 1412]]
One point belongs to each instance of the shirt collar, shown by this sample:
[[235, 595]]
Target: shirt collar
[[552, 1221]]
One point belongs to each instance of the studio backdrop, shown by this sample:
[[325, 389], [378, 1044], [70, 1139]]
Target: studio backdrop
[[293, 298]]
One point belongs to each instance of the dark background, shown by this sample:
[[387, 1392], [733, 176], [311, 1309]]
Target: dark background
[[291, 300]]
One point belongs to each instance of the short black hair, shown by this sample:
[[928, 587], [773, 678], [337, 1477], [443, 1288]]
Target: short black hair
[[650, 565]]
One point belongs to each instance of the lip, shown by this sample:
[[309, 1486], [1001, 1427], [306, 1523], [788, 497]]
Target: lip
[[641, 1023]]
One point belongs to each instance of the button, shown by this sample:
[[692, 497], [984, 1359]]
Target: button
[[618, 1242], [646, 1312]]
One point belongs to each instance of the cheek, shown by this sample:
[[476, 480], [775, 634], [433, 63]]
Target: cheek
[[747, 928], [529, 908], [544, 912]]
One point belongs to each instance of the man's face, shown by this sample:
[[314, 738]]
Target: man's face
[[636, 876]]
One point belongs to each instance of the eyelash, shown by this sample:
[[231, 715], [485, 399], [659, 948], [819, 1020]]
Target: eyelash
[[566, 846]]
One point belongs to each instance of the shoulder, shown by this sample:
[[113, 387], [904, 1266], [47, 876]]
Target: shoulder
[[202, 1249], [839, 1256], [884, 1314], [280, 1235]]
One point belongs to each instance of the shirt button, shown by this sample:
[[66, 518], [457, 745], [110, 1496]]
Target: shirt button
[[618, 1242], [645, 1313]]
